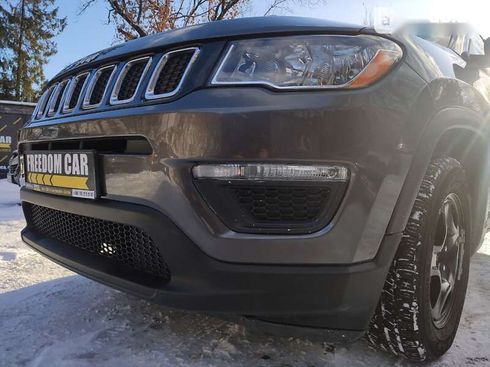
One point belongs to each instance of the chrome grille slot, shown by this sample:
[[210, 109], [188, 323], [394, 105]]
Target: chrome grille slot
[[97, 88], [57, 96], [74, 92], [129, 80], [41, 107], [170, 73]]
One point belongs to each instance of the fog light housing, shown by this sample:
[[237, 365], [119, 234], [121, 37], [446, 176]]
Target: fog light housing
[[271, 172]]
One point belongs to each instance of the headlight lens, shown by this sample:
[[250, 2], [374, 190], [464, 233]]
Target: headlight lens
[[308, 61]]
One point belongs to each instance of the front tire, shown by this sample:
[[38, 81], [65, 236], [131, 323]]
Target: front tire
[[423, 297]]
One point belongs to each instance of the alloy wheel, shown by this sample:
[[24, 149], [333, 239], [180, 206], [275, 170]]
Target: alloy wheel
[[447, 256]]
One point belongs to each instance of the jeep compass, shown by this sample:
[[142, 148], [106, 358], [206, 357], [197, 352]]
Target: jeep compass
[[299, 173]]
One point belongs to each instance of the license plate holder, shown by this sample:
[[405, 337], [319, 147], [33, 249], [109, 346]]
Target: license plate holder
[[65, 173]]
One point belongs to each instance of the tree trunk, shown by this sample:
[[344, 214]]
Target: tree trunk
[[18, 76]]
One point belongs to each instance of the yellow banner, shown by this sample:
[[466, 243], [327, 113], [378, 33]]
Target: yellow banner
[[70, 182]]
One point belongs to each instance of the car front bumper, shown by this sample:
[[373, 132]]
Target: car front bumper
[[323, 296], [331, 278]]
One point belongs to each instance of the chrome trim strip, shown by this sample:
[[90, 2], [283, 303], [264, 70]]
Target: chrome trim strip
[[150, 90], [117, 86], [69, 92], [38, 105], [88, 94], [54, 97], [50, 100], [43, 103]]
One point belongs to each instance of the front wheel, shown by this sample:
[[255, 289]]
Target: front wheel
[[423, 297]]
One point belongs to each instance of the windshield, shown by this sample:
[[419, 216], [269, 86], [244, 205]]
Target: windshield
[[387, 16]]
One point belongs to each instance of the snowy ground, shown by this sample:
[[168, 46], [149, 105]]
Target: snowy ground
[[52, 317]]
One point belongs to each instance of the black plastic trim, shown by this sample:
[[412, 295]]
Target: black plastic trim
[[326, 296], [217, 194]]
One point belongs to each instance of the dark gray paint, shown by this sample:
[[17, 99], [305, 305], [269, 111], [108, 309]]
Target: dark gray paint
[[375, 131]]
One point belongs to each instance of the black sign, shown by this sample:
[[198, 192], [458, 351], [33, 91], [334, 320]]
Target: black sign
[[64, 173], [12, 118]]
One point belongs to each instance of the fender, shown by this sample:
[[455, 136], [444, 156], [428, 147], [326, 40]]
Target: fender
[[442, 122]]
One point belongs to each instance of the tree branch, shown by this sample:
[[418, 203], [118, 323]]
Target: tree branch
[[225, 8], [275, 4], [85, 6], [138, 18], [124, 15]]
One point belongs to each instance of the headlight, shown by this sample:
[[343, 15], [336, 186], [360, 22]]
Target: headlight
[[319, 62]]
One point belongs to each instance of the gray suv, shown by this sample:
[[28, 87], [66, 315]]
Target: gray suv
[[301, 173]]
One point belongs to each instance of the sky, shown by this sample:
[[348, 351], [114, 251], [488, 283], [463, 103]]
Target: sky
[[89, 32]]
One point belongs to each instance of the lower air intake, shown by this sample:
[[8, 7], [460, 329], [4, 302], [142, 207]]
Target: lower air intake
[[281, 204], [127, 245], [285, 207]]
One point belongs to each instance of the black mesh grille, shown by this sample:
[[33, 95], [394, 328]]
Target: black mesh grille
[[287, 207], [281, 204], [76, 91], [121, 243], [172, 72], [131, 80], [100, 86]]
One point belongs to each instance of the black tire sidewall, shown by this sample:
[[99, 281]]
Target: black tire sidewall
[[437, 341]]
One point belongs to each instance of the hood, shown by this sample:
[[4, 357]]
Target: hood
[[243, 27]]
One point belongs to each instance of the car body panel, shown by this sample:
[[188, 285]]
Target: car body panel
[[361, 128], [386, 134]]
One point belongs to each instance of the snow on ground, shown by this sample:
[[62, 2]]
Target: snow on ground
[[51, 317]]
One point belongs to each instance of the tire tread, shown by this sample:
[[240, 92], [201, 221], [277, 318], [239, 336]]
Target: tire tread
[[395, 326]]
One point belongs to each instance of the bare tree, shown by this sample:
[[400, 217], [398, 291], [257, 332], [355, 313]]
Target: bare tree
[[284, 6], [138, 18]]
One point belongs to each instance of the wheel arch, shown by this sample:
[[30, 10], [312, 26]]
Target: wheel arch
[[460, 133]]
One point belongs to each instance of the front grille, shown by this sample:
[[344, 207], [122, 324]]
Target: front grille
[[172, 71], [167, 78], [121, 243], [131, 79], [281, 204]]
